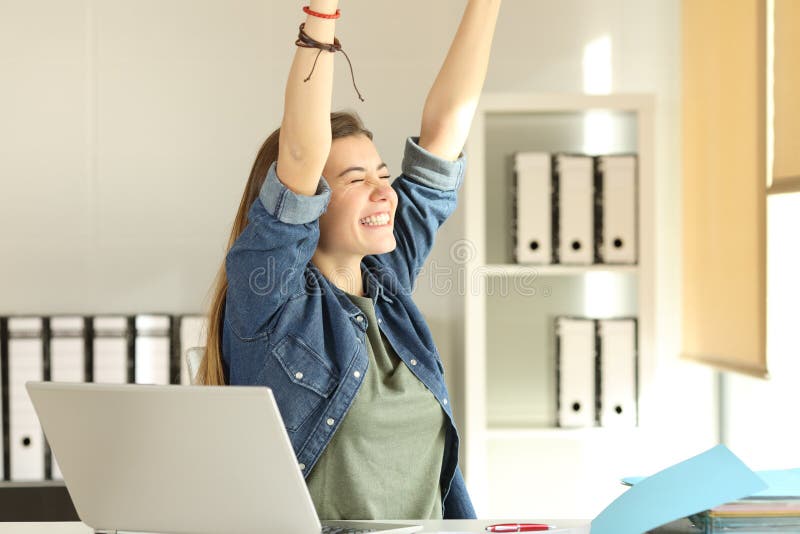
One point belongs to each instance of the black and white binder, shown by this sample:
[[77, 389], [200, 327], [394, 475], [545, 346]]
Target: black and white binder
[[110, 349], [573, 181], [617, 187], [575, 372], [67, 360], [153, 349], [25, 363], [193, 332], [532, 208], [67, 349], [617, 362]]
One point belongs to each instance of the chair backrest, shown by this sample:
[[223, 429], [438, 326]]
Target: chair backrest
[[194, 356]]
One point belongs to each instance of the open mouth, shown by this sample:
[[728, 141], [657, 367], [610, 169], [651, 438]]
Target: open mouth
[[380, 219]]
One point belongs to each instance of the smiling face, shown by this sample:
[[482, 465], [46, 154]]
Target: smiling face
[[359, 220]]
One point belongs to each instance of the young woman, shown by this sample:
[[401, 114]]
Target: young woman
[[314, 298]]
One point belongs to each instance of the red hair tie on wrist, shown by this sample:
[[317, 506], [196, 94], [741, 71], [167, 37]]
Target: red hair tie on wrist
[[307, 11]]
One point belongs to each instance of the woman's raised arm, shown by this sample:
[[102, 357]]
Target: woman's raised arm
[[305, 138], [452, 100]]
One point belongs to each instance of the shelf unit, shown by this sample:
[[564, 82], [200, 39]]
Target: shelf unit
[[509, 414], [494, 269]]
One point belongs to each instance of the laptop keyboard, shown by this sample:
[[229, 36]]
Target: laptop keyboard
[[330, 529]]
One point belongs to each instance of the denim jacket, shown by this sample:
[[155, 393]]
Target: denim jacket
[[288, 327]]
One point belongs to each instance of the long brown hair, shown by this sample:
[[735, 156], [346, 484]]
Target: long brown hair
[[343, 124]]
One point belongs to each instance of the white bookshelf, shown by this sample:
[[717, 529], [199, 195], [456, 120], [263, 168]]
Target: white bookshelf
[[505, 269], [509, 413]]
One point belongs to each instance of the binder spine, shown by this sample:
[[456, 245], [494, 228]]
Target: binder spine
[[515, 215], [636, 368], [636, 242], [130, 334], [616, 177], [598, 211], [598, 374], [47, 336], [572, 404], [174, 350], [554, 208], [88, 349], [25, 357], [6, 430], [619, 371], [557, 345]]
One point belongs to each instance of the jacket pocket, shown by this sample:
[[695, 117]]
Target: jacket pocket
[[308, 380]]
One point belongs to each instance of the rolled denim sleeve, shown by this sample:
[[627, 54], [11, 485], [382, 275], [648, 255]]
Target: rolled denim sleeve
[[266, 263], [289, 207], [431, 170], [427, 196]]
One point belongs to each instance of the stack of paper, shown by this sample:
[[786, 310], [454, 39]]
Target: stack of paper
[[768, 515], [717, 493], [775, 509]]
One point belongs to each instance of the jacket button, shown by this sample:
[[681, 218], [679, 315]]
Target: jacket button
[[444, 401], [302, 467], [359, 318], [380, 321], [298, 375], [357, 374], [413, 362], [330, 421]]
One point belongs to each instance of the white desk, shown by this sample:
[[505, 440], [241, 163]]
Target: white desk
[[571, 526]]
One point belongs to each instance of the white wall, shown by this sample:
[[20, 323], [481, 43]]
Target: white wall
[[129, 127], [760, 416]]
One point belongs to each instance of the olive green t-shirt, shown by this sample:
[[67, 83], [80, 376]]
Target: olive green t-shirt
[[385, 459]]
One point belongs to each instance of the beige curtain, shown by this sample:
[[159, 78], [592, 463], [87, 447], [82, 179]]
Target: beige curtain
[[786, 71], [724, 183]]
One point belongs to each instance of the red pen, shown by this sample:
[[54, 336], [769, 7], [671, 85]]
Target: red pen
[[518, 527]]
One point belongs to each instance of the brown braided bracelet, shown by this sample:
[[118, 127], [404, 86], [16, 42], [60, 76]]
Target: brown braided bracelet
[[303, 40]]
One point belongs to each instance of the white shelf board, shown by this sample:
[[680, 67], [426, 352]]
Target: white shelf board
[[521, 103], [513, 269], [556, 433]]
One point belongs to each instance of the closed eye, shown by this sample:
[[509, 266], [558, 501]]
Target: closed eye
[[361, 179]]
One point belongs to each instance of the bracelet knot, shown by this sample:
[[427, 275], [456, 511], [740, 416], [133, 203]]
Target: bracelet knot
[[305, 41]]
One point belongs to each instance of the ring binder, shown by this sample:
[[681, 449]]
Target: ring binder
[[573, 179], [616, 184], [575, 372], [532, 208], [66, 356], [110, 346], [617, 367], [25, 362], [153, 347]]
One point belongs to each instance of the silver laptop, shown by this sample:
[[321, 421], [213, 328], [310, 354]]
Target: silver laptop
[[179, 459]]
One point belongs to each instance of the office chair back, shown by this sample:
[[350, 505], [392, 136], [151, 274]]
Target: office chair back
[[193, 358]]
